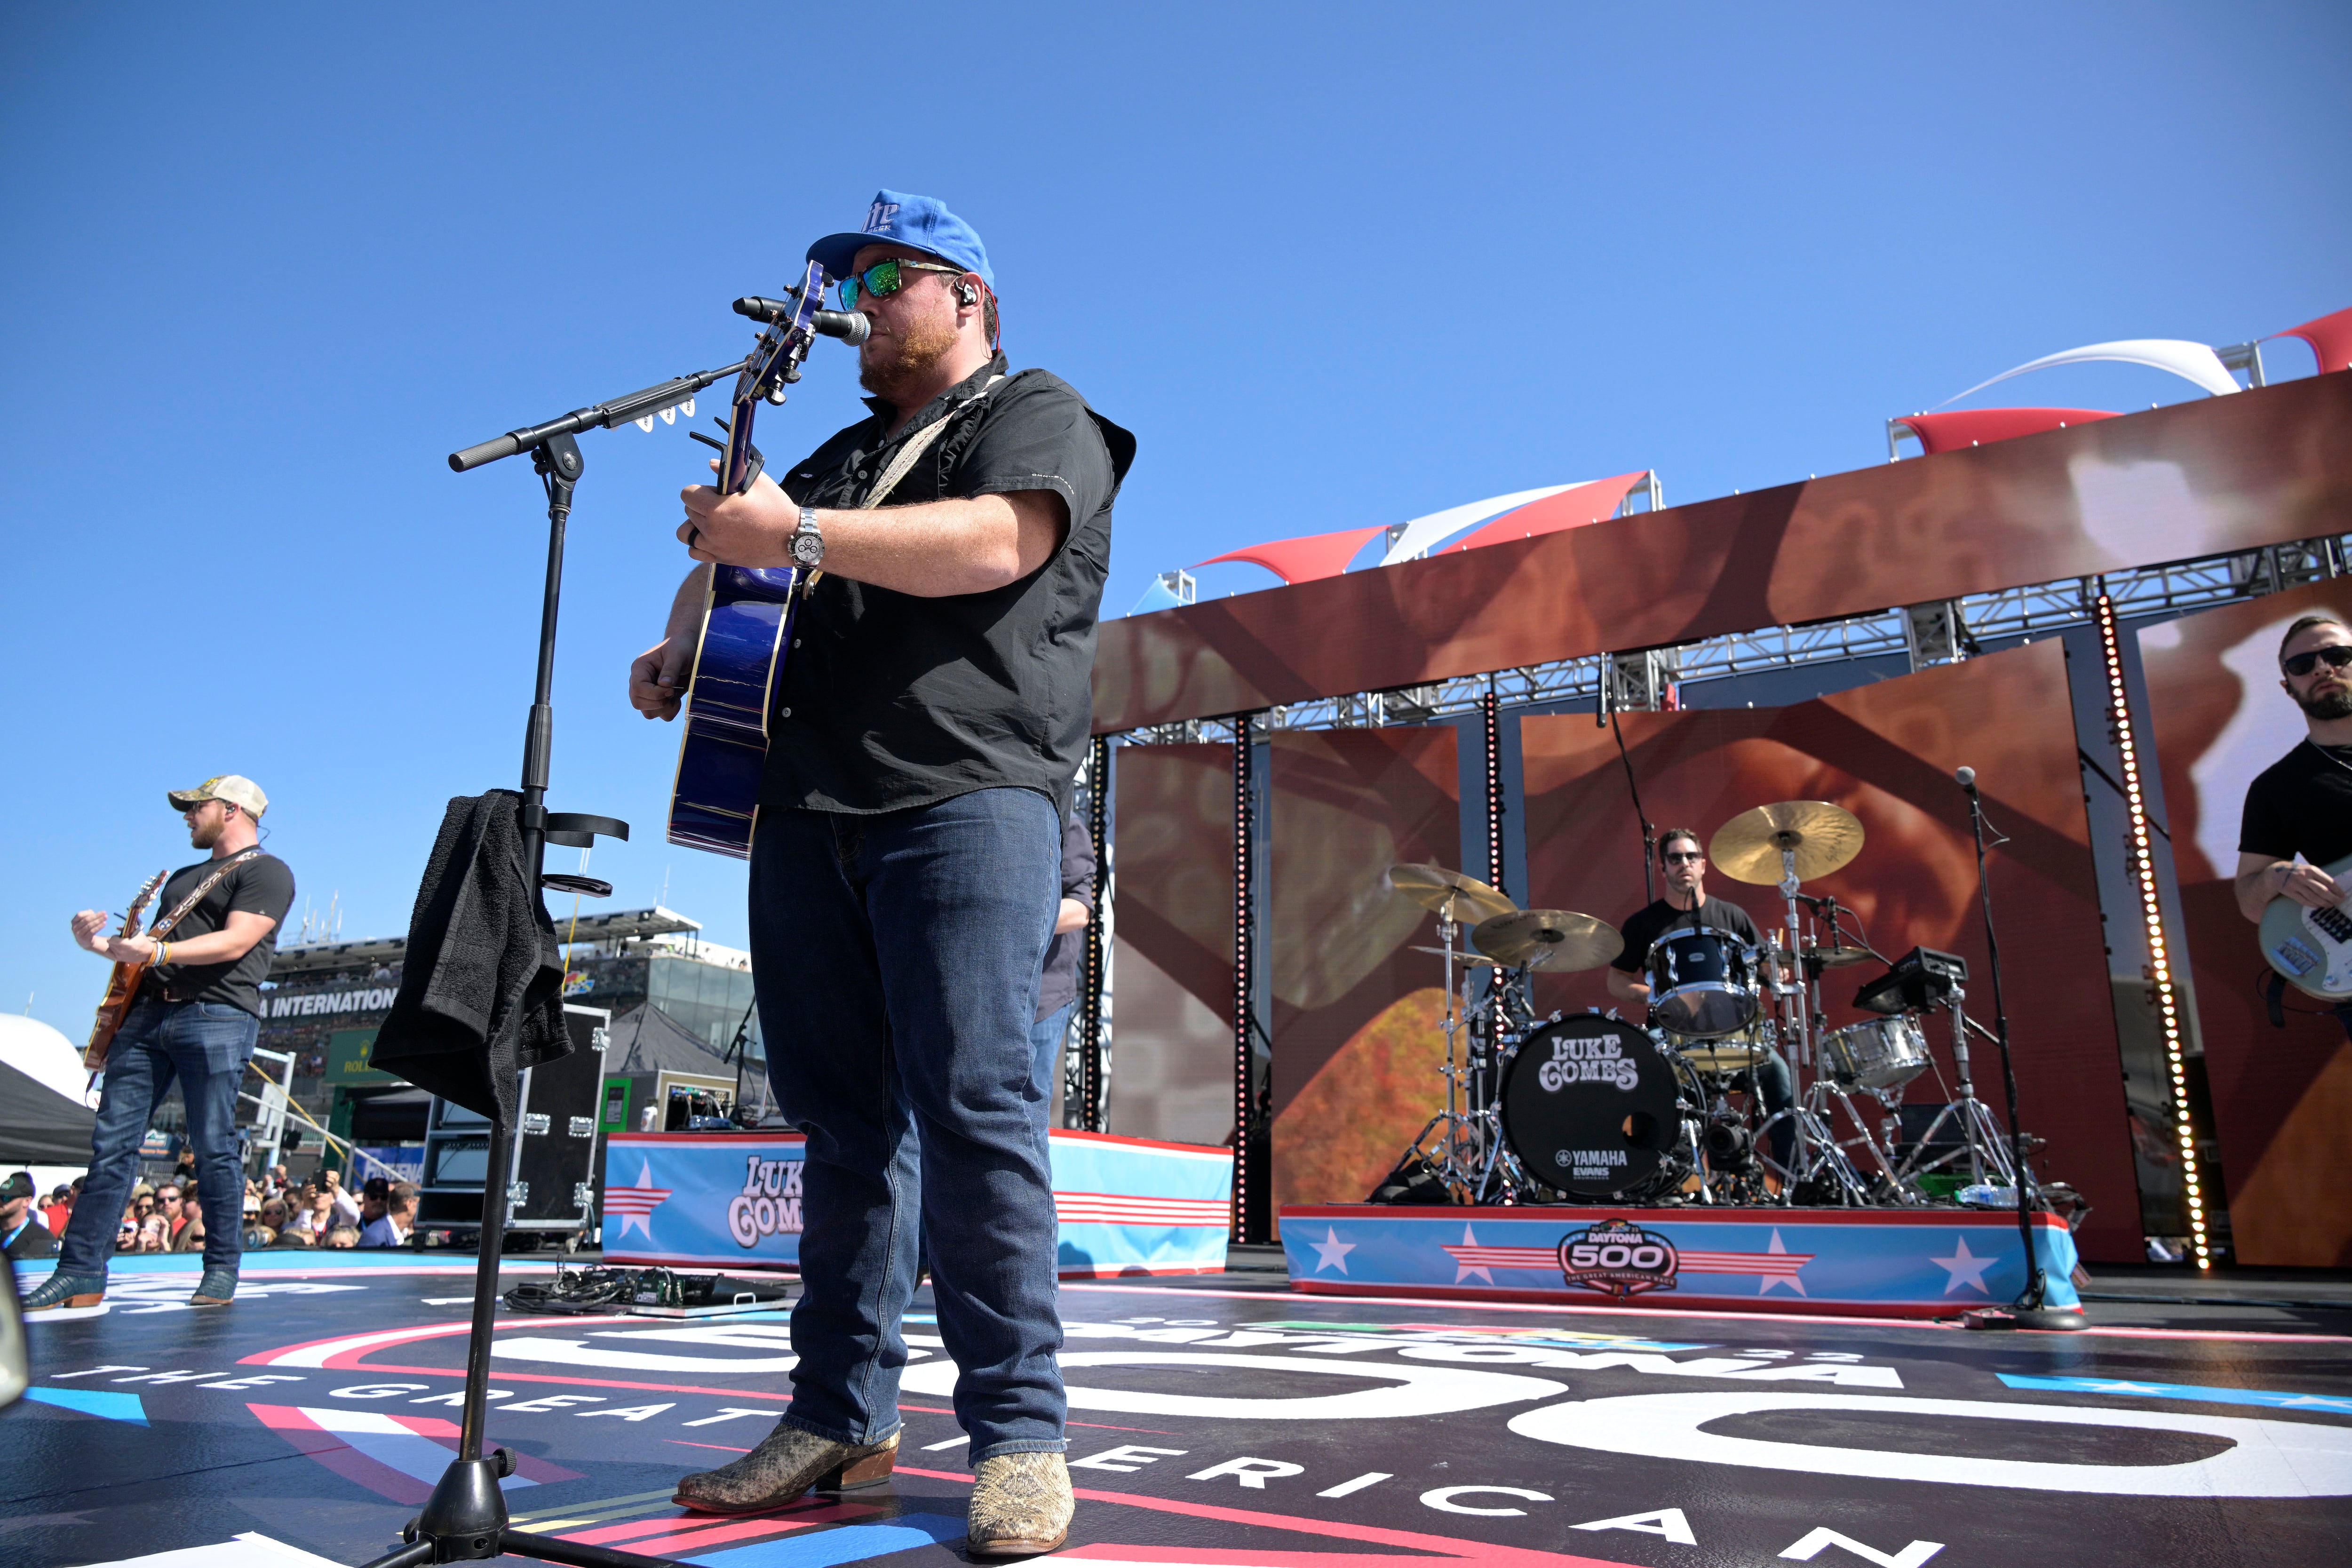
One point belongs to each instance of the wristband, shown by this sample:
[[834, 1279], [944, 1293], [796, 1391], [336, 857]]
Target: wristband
[[158, 961]]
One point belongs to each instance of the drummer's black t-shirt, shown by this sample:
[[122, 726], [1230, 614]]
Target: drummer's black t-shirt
[[1642, 929]]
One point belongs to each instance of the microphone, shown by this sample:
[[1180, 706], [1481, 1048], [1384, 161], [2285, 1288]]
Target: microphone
[[852, 327], [1967, 777]]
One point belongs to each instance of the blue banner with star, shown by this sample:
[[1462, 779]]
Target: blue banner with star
[[1897, 1262]]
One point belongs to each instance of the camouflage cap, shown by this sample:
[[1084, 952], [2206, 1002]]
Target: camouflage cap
[[234, 788]]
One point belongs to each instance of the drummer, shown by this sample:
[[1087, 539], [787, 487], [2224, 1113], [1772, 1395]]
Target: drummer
[[1686, 906]]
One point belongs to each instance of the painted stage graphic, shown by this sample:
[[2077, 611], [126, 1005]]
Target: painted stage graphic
[[1127, 1206], [1210, 1425], [1898, 1262]]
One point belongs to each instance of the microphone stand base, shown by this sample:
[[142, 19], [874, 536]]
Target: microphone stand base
[[2056, 1319]]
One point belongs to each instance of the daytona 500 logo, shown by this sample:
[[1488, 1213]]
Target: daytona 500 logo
[[1617, 1258]]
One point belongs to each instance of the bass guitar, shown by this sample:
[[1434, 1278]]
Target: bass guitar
[[2313, 948], [747, 612], [122, 984]]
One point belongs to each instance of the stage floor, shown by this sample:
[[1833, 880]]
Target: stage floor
[[1222, 1420]]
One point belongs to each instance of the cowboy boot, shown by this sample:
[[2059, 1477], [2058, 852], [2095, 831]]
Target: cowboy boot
[[1021, 1505], [788, 1462]]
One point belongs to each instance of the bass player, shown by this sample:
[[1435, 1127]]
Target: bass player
[[930, 717], [195, 1018]]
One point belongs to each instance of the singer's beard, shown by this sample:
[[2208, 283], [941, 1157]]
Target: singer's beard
[[2331, 704], [912, 354]]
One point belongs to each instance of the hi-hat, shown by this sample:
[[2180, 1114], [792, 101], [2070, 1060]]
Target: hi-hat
[[1464, 899], [1747, 849], [1472, 959], [1557, 939]]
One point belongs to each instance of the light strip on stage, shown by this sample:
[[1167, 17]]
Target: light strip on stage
[[1242, 978], [2160, 962]]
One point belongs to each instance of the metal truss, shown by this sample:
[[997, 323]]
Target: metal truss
[[1939, 632]]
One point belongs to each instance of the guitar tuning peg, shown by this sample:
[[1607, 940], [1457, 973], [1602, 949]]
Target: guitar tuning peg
[[669, 416], [686, 408], [646, 425]]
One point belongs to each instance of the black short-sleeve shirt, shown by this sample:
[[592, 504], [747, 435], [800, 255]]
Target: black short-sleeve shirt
[[2301, 805], [1649, 924], [890, 701], [262, 886]]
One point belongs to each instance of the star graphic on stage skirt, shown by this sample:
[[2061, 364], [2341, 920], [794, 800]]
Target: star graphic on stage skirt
[[1331, 1252], [635, 1205], [1965, 1269], [1464, 1270], [1791, 1280]]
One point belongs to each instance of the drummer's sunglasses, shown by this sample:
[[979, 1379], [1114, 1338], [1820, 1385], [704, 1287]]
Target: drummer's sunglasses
[[884, 278], [2303, 664], [1673, 857]]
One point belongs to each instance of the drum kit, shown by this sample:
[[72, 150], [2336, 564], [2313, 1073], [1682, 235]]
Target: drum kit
[[1692, 1107]]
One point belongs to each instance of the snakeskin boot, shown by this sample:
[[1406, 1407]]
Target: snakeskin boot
[[1021, 1505], [63, 1289], [787, 1463]]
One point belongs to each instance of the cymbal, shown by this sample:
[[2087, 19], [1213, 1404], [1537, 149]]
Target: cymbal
[[1558, 938], [1433, 887], [1824, 836], [1479, 960], [1838, 957]]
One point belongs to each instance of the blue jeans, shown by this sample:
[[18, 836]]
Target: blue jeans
[[898, 958], [207, 1045], [1045, 1037]]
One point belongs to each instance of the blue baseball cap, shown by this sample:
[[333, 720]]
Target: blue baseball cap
[[897, 218]]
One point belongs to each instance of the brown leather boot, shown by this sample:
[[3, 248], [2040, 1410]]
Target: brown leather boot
[[1021, 1505], [787, 1463]]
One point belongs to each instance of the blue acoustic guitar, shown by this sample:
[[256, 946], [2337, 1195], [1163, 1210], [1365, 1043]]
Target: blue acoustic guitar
[[747, 616]]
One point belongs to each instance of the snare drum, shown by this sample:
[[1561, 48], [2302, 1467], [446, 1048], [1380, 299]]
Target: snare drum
[[1735, 1052], [1703, 983], [1880, 1053]]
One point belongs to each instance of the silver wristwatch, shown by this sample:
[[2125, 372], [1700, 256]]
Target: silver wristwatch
[[808, 543]]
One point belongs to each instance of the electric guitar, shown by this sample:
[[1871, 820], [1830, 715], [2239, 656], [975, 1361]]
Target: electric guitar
[[747, 615], [2313, 948], [121, 985]]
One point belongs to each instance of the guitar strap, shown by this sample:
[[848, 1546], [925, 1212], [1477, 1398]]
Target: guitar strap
[[181, 909], [917, 445], [2275, 1004], [903, 463]]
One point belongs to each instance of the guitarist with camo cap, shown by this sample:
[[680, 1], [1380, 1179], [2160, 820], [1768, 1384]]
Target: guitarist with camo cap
[[195, 1018]]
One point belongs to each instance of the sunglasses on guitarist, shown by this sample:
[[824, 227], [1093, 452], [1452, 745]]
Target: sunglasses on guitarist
[[884, 278], [2337, 657]]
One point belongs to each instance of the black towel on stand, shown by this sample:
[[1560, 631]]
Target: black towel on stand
[[481, 989]]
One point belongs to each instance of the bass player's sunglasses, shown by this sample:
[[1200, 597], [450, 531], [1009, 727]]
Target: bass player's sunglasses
[[884, 278], [2338, 658]]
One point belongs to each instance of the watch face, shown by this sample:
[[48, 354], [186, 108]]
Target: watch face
[[807, 549]]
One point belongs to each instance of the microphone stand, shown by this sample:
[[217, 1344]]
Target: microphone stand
[[2031, 1310], [465, 1520]]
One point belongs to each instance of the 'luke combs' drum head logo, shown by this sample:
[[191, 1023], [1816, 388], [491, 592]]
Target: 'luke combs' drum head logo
[[1617, 1258]]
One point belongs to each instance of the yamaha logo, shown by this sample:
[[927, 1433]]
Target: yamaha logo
[[1617, 1258]]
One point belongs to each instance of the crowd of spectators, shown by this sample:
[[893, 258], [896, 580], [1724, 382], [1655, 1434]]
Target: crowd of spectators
[[277, 1212]]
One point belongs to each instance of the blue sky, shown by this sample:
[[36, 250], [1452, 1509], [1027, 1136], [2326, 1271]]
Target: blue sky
[[1334, 266]]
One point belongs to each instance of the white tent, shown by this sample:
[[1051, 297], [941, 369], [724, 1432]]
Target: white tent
[[46, 1056]]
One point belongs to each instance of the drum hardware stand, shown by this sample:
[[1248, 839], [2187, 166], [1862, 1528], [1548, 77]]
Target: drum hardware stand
[[1459, 1136], [2031, 1310], [1980, 1136]]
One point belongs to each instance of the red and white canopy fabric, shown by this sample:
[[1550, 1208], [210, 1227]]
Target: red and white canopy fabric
[[1304, 558], [1417, 536], [2192, 362], [2330, 338], [1974, 427], [1571, 508]]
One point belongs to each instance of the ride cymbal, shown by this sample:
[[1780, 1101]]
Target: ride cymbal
[[1557, 939], [1839, 957], [1434, 887], [1824, 837]]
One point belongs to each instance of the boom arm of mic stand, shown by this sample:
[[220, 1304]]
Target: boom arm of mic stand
[[604, 415]]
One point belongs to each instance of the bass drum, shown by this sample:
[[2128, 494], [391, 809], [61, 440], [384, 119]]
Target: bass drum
[[1590, 1107]]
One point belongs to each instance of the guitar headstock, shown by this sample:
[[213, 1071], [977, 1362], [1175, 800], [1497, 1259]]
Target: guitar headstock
[[775, 361], [147, 894]]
